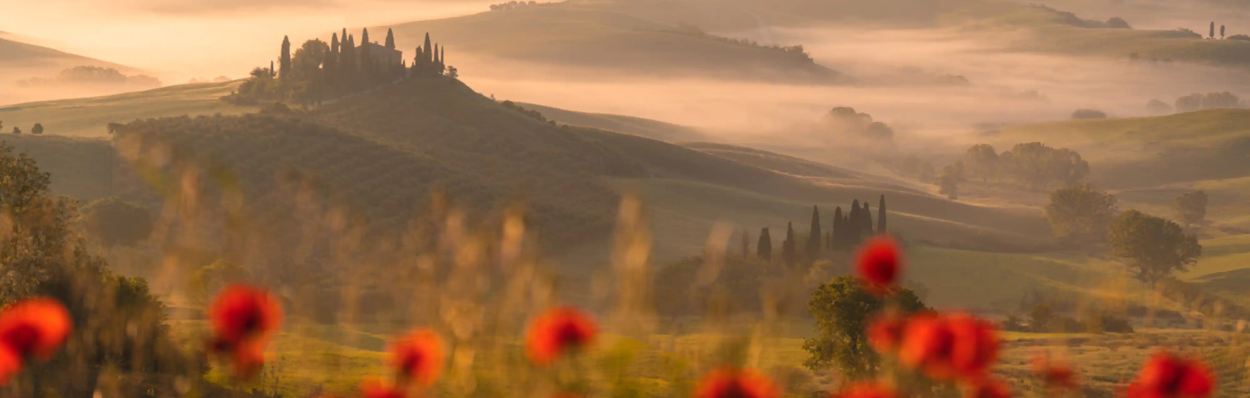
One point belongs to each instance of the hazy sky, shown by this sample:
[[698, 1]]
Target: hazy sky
[[180, 39]]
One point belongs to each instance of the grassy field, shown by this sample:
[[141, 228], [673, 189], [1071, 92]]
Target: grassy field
[[89, 117]]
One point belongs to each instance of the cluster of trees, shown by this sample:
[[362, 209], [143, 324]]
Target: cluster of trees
[[847, 121], [847, 231], [1045, 314], [318, 71], [1198, 101], [1032, 165], [1086, 114], [796, 51], [36, 129], [119, 326], [93, 75], [512, 5], [1152, 247]]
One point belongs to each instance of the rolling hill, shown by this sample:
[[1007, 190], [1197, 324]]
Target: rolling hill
[[22, 60], [89, 117], [383, 152], [591, 35]]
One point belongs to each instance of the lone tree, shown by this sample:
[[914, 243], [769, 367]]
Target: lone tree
[[115, 222], [1212, 34], [764, 248], [981, 161], [17, 131], [842, 310], [1153, 247], [1080, 213], [37, 129], [1191, 207], [1221, 32]]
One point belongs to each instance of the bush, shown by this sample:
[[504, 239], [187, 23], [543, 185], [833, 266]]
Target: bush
[[1118, 23], [1239, 37], [1084, 114]]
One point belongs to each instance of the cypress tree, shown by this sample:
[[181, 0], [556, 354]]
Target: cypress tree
[[867, 214], [390, 39], [815, 234], [829, 240], [788, 248], [436, 60], [429, 56], [839, 230], [442, 58], [366, 60], [285, 64], [854, 225], [881, 216], [764, 248]]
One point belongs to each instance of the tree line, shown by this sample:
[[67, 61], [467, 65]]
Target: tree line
[[318, 71], [1033, 165], [847, 230]]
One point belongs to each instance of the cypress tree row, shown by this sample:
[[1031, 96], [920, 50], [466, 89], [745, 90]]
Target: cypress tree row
[[881, 216], [764, 248], [814, 236]]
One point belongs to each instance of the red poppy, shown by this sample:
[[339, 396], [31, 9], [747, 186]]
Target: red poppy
[[242, 319], [736, 383], [1169, 376], [380, 389], [418, 356], [558, 331], [35, 327], [868, 390], [1055, 374], [879, 264], [989, 388], [886, 331], [243, 312], [948, 347]]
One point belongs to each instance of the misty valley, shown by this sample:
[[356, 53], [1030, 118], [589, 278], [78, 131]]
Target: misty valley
[[625, 198]]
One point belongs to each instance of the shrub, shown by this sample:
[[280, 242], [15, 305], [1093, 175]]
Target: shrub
[[1084, 114], [1239, 37]]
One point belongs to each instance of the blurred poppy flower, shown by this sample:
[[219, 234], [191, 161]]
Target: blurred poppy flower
[[418, 356], [242, 319], [868, 390], [1055, 374], [736, 383], [879, 265], [886, 331], [556, 332], [10, 364], [1169, 376], [988, 388], [35, 327], [380, 389], [949, 347], [243, 312]]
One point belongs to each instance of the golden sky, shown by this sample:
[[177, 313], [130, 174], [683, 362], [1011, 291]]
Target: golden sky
[[180, 39]]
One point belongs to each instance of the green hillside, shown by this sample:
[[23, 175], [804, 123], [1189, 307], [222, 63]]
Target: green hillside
[[620, 123], [89, 117], [594, 35]]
